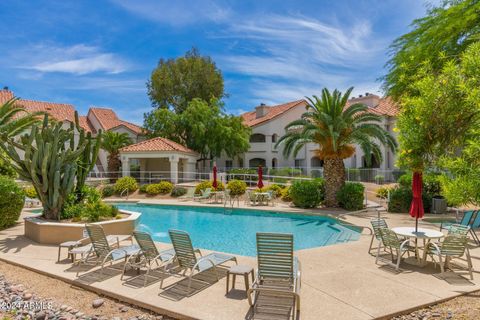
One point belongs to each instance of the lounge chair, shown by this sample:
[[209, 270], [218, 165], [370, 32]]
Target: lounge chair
[[148, 255], [187, 259], [470, 219], [102, 249], [453, 246], [75, 247], [32, 202], [251, 198], [190, 195], [390, 240], [278, 277], [206, 194]]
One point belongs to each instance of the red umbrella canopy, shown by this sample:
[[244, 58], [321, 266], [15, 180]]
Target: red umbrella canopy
[[416, 208], [214, 183], [260, 177]]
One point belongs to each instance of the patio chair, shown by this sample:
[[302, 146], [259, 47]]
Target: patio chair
[[206, 194], [278, 276], [454, 246], [377, 223], [147, 256], [102, 249], [187, 259], [250, 198], [471, 219], [390, 240]]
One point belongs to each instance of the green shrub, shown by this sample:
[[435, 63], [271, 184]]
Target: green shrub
[[6, 168], [351, 196], [405, 180], [207, 184], [277, 189], [353, 174], [286, 196], [285, 172], [316, 173], [382, 192], [178, 191], [379, 179], [30, 192], [305, 194], [108, 191], [321, 187], [431, 184], [400, 199], [12, 199], [127, 183], [165, 187], [72, 211], [397, 174], [279, 180], [89, 212], [243, 174], [237, 187], [143, 188]]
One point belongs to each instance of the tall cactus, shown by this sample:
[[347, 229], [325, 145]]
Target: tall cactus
[[87, 160], [49, 162]]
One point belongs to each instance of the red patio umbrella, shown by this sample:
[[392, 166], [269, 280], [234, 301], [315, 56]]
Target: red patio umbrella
[[416, 208], [214, 183], [260, 177]]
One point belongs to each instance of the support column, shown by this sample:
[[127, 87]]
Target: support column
[[125, 166], [173, 169], [190, 169]]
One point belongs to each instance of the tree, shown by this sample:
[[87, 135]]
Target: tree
[[204, 128], [14, 119], [439, 119], [112, 143], [335, 128], [442, 35], [6, 168], [176, 82]]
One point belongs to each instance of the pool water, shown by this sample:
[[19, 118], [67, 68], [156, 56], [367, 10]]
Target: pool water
[[233, 230]]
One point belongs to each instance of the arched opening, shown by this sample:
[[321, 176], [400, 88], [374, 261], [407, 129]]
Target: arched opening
[[274, 138], [257, 137], [374, 162], [316, 162], [255, 162], [274, 162]]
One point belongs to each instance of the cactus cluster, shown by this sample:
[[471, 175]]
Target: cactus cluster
[[52, 159]]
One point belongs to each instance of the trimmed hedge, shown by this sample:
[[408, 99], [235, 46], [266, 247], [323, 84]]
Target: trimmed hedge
[[12, 199], [276, 188], [306, 193], [162, 187], [108, 191], [237, 187], [128, 183], [178, 191], [351, 196], [286, 196], [30, 192]]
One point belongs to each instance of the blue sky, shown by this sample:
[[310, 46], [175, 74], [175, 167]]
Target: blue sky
[[101, 53]]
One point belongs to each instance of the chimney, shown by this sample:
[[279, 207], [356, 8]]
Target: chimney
[[261, 110], [370, 99], [5, 88]]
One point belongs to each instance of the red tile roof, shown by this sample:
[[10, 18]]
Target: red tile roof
[[108, 120], [385, 106], [85, 124], [5, 95], [157, 144], [250, 119]]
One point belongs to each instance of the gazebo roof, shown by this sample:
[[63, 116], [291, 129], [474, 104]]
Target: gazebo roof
[[156, 145]]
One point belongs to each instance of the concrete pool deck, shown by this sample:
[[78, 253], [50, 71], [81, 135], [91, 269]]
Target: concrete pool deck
[[338, 282]]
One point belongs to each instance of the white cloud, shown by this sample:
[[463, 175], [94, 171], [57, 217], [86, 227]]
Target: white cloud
[[78, 59], [177, 13]]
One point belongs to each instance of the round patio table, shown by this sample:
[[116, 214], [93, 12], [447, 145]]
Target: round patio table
[[424, 234]]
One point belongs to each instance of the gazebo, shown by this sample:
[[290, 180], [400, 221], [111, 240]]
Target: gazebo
[[164, 158]]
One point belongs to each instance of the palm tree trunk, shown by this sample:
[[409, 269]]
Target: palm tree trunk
[[114, 164], [334, 174]]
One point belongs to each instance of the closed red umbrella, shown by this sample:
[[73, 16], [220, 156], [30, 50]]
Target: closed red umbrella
[[214, 183], [260, 177], [416, 208]]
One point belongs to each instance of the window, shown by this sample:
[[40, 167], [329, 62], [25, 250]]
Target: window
[[274, 138], [374, 163], [299, 163], [257, 137], [255, 162], [228, 164], [274, 162]]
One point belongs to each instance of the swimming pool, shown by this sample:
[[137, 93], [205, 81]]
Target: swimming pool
[[233, 231]]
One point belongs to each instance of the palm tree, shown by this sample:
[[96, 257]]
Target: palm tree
[[112, 143], [14, 119], [336, 128]]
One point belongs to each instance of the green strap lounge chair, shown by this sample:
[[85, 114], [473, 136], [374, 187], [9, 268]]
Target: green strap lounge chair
[[250, 198], [453, 246], [278, 277], [205, 195], [187, 259], [399, 246], [148, 256], [103, 251], [190, 195]]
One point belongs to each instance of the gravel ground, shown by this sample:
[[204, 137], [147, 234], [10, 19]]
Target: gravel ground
[[465, 307], [40, 297]]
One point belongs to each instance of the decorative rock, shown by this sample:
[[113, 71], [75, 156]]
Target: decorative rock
[[79, 314], [27, 296], [116, 318], [97, 303], [124, 309], [41, 315], [63, 307]]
